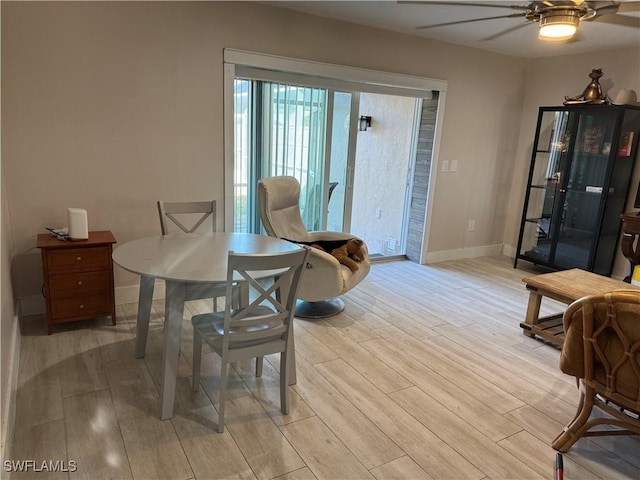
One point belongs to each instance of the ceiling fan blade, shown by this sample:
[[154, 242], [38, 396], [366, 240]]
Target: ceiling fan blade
[[629, 7], [619, 20], [610, 7], [505, 32], [463, 4], [458, 22]]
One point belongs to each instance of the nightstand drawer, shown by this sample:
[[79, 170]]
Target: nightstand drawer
[[73, 284], [81, 306], [78, 259]]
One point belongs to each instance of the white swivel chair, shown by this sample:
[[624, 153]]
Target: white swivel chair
[[324, 278], [261, 328]]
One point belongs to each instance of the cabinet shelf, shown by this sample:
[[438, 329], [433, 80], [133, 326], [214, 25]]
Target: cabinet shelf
[[584, 191], [567, 221]]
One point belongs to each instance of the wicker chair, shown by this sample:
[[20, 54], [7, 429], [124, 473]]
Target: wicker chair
[[602, 350]]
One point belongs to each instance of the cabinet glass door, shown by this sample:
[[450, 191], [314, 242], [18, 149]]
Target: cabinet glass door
[[584, 189], [545, 192]]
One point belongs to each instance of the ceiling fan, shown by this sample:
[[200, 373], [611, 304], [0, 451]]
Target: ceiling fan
[[557, 20]]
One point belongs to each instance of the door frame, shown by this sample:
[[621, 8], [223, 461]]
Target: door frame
[[336, 76]]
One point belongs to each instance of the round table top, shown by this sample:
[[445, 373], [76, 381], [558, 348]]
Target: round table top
[[193, 257]]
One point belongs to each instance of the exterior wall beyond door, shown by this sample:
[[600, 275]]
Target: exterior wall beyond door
[[381, 169]]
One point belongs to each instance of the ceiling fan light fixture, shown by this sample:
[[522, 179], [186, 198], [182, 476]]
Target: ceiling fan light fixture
[[559, 24]]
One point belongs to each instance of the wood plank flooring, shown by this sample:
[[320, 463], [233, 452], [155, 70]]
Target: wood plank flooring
[[425, 375]]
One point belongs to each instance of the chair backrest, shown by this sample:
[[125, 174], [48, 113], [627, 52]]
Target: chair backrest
[[607, 327], [278, 202], [272, 298], [195, 212]]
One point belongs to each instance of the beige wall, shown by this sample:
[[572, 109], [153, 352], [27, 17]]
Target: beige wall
[[9, 332]]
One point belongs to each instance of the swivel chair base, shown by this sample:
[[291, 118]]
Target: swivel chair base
[[321, 309]]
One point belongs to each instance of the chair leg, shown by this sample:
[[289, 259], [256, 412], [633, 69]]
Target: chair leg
[[197, 360], [573, 431], [284, 384], [223, 392], [243, 297], [259, 362]]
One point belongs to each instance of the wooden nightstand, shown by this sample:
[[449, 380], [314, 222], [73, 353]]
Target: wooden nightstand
[[78, 278]]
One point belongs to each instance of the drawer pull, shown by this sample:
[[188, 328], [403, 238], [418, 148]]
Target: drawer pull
[[81, 306], [80, 283], [78, 259]]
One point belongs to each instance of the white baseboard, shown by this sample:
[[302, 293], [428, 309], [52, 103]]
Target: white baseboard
[[9, 400], [509, 251], [130, 293], [462, 253]]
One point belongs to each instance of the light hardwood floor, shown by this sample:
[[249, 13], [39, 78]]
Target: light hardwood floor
[[426, 374]]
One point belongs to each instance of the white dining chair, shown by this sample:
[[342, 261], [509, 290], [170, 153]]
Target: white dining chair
[[179, 212], [188, 217], [259, 328]]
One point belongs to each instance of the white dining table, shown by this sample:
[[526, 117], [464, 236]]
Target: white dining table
[[181, 260]]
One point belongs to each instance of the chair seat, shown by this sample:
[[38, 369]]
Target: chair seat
[[211, 328]]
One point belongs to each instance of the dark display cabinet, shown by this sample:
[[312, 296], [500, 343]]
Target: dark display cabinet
[[581, 166]]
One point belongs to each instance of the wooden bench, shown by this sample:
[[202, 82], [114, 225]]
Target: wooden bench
[[566, 286]]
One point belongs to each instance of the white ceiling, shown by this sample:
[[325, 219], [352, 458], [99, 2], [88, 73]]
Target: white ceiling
[[521, 42]]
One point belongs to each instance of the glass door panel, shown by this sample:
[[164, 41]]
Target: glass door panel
[[545, 193], [340, 161], [294, 128], [584, 190]]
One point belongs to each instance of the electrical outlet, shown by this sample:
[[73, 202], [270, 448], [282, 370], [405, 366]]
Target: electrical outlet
[[445, 165], [453, 166], [472, 225]]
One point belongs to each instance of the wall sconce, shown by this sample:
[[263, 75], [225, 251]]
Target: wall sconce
[[365, 122]]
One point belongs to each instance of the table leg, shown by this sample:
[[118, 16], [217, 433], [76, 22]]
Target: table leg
[[291, 347], [145, 297], [533, 312], [174, 308]]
